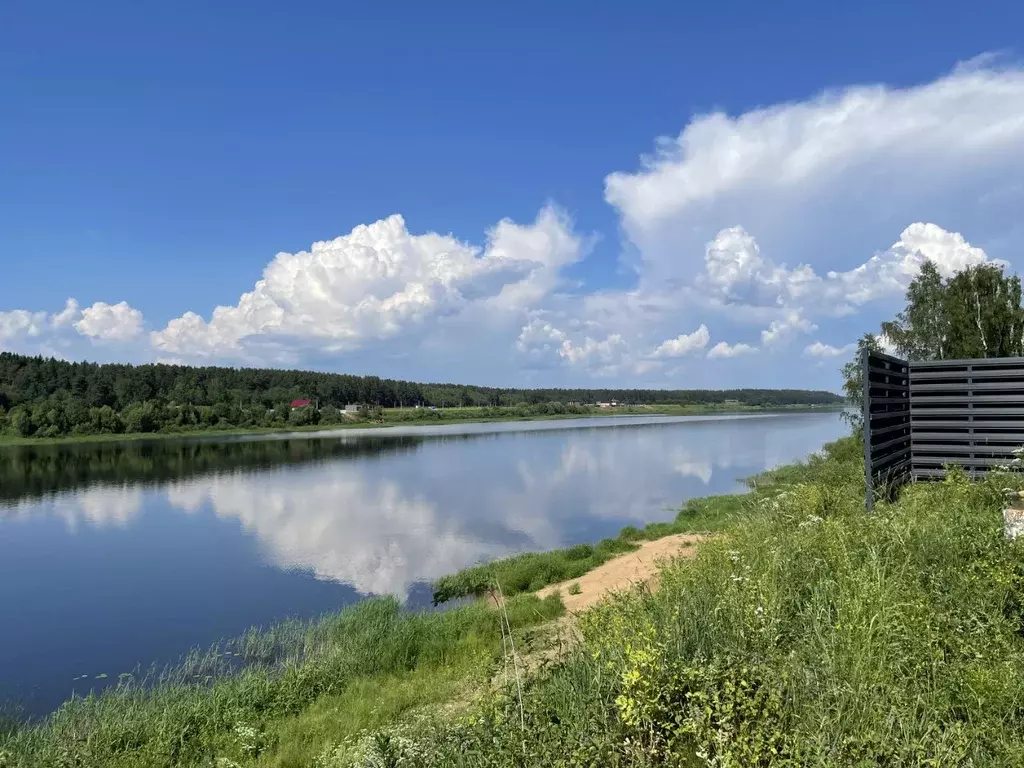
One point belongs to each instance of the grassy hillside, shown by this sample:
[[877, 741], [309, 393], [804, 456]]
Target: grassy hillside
[[812, 634], [277, 694]]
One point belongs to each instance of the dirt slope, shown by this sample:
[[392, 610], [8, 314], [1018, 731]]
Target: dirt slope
[[624, 571]]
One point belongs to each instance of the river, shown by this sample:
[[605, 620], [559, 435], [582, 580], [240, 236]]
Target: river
[[114, 555]]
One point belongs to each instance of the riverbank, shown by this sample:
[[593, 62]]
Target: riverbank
[[392, 417], [532, 571], [809, 633], [268, 691], [289, 666]]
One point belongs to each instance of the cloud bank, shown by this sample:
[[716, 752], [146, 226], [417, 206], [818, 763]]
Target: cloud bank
[[742, 233]]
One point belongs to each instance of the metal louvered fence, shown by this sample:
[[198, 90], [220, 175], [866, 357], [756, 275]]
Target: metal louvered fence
[[921, 416], [887, 440]]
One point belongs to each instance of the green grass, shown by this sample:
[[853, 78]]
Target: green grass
[[367, 704], [528, 572], [812, 634], [278, 696]]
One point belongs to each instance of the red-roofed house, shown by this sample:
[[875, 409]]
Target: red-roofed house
[[300, 403]]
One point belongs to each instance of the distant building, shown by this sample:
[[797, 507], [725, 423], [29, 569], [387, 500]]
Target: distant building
[[296, 404], [353, 408], [609, 404]]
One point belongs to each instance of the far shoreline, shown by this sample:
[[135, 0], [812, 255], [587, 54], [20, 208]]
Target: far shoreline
[[313, 429]]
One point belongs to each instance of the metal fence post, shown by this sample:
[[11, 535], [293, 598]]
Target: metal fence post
[[866, 427]]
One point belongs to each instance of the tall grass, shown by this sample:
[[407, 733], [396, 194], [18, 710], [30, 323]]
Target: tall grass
[[812, 634], [228, 704]]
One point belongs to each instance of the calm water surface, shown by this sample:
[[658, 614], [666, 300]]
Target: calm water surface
[[116, 555]]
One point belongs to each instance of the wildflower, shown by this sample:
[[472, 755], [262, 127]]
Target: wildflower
[[250, 739]]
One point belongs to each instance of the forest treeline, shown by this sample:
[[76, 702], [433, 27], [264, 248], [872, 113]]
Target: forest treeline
[[50, 398]]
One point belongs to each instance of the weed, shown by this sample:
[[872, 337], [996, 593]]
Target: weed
[[209, 708], [813, 634]]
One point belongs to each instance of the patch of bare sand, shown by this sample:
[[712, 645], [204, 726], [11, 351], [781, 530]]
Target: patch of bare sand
[[623, 572], [547, 644]]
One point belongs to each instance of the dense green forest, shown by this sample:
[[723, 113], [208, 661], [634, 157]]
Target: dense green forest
[[50, 398]]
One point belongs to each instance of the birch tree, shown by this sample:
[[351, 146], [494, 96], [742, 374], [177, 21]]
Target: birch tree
[[985, 317], [921, 331], [975, 313]]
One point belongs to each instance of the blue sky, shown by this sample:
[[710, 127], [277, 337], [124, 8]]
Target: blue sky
[[589, 193]]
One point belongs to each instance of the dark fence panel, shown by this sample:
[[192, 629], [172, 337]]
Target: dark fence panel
[[966, 412], [887, 436], [923, 416]]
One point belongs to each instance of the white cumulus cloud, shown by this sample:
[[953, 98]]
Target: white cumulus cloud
[[580, 347], [791, 324], [736, 270], [377, 282], [824, 207], [539, 337], [889, 272], [684, 343], [741, 285], [117, 322], [605, 351], [818, 349], [972, 117], [722, 349], [18, 323], [66, 330]]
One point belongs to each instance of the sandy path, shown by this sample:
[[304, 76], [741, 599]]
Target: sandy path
[[622, 572]]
